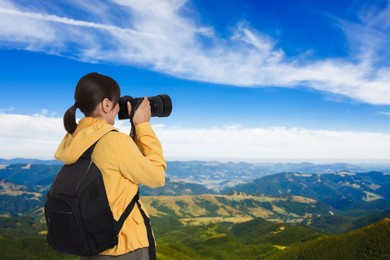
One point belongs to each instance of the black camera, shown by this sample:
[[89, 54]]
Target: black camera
[[160, 105]]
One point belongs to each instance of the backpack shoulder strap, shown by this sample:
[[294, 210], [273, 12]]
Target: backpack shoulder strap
[[152, 244], [126, 213], [118, 225], [88, 153]]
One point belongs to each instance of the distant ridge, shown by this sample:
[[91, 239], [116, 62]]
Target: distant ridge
[[341, 190], [31, 161], [262, 168]]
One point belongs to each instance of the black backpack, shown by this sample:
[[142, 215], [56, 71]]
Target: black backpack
[[77, 212]]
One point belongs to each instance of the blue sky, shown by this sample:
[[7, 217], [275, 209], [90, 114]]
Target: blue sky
[[250, 80]]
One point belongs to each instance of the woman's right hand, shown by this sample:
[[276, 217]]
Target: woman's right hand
[[143, 112]]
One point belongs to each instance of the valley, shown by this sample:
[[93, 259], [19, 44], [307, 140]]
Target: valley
[[246, 210], [234, 208]]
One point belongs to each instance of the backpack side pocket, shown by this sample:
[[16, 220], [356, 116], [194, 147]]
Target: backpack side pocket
[[65, 231]]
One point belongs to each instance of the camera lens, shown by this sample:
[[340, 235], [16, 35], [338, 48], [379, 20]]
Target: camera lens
[[156, 105], [167, 105], [160, 106]]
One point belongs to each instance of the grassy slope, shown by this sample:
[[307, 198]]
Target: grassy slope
[[251, 240], [370, 242]]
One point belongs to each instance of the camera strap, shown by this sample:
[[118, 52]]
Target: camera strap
[[132, 130]]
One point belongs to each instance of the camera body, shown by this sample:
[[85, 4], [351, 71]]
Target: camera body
[[160, 106]]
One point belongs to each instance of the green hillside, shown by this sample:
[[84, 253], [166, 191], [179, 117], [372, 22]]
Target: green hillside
[[235, 208], [291, 215], [255, 239], [249, 240], [341, 224], [370, 242], [259, 231], [27, 247]]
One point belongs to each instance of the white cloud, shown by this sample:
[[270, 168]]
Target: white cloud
[[27, 35], [7, 110], [39, 136], [370, 37], [384, 113], [160, 35], [29, 136], [278, 143]]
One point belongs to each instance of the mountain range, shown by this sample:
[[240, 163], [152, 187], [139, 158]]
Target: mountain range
[[343, 190], [217, 176], [245, 209], [339, 192]]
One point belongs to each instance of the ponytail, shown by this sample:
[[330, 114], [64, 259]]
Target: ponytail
[[91, 89], [70, 119]]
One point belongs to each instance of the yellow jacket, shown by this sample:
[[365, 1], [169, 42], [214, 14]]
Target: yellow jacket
[[124, 165]]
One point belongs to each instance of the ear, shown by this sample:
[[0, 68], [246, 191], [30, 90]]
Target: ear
[[106, 105]]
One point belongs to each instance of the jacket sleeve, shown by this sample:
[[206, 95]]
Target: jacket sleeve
[[142, 161]]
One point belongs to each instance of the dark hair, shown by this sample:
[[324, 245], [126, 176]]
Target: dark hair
[[91, 89]]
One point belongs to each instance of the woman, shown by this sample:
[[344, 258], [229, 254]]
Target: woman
[[125, 163]]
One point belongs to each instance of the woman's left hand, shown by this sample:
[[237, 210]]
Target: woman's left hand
[[143, 112]]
